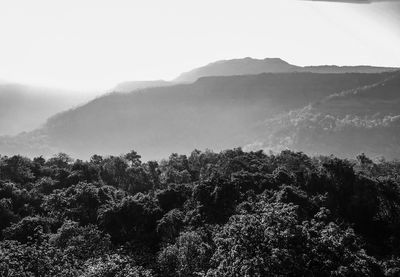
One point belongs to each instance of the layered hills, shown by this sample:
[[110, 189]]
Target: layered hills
[[258, 104], [213, 112]]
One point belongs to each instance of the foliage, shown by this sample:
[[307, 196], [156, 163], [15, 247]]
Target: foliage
[[233, 213]]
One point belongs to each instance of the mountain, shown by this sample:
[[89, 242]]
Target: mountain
[[244, 66], [249, 66], [24, 108], [213, 112], [366, 119], [135, 85]]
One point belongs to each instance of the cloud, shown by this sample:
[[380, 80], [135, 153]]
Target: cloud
[[354, 1]]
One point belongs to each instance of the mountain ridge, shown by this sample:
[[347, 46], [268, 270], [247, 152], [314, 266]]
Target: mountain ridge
[[247, 66]]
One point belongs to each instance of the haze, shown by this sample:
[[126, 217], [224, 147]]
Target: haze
[[95, 44]]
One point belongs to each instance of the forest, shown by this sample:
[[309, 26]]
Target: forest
[[232, 213]]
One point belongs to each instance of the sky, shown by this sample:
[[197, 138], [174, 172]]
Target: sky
[[95, 44]]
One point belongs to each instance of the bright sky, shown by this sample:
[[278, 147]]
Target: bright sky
[[94, 44]]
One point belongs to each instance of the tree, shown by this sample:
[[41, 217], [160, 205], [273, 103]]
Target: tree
[[170, 225], [134, 158], [82, 242], [187, 257], [133, 218], [115, 265], [26, 229], [272, 242]]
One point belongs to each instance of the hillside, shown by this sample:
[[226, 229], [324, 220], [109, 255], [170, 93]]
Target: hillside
[[249, 66], [213, 112], [366, 119]]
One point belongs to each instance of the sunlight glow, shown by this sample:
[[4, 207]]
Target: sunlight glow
[[94, 44]]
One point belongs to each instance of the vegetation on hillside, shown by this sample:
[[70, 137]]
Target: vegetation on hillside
[[234, 213], [214, 112], [362, 120]]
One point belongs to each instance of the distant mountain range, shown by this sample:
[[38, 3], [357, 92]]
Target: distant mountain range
[[248, 66], [312, 109]]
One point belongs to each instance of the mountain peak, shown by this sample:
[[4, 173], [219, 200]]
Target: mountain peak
[[275, 60]]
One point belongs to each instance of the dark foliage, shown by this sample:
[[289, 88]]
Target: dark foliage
[[234, 213]]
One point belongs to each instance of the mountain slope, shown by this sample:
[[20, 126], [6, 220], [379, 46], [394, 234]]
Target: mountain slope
[[213, 112], [366, 119]]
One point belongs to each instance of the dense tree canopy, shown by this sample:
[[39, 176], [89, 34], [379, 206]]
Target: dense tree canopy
[[232, 213]]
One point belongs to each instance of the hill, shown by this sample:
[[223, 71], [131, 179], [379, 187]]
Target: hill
[[214, 112]]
